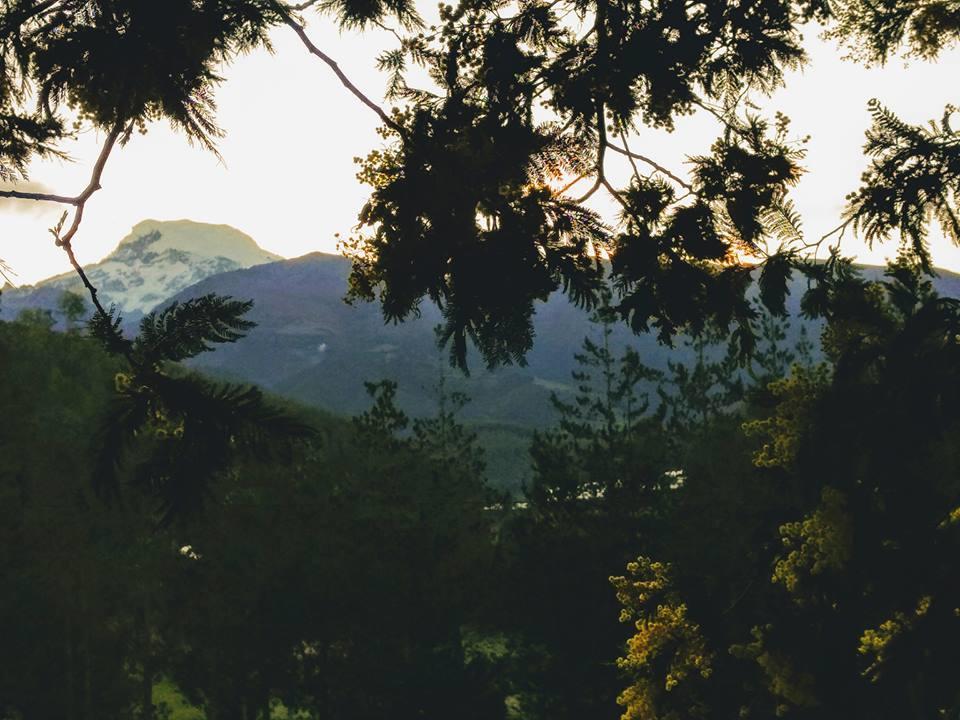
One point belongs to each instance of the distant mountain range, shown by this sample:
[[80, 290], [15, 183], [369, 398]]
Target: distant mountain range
[[311, 346]]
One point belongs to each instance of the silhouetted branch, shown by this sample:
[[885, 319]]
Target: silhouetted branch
[[593, 188], [602, 146], [726, 122], [839, 231], [66, 240], [570, 184], [48, 197], [18, 19], [314, 50], [652, 163], [92, 186], [389, 29]]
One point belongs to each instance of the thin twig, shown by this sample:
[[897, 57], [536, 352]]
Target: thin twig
[[92, 186], [389, 29], [593, 188], [619, 198], [314, 50], [839, 230], [652, 163], [570, 184], [5, 272], [17, 195], [730, 125], [630, 158], [303, 6]]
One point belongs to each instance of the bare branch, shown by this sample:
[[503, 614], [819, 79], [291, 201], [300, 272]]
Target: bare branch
[[618, 196], [570, 184], [92, 186], [729, 124], [601, 150], [389, 29], [63, 199], [66, 240], [314, 50], [602, 145], [815, 245], [593, 188], [6, 271], [303, 6], [630, 158], [652, 163]]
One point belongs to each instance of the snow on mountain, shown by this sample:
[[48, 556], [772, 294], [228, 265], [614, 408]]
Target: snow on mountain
[[155, 261]]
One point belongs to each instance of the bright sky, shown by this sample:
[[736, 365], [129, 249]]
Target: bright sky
[[293, 131]]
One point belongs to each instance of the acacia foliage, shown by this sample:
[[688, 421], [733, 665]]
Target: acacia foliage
[[523, 97], [176, 430], [830, 590], [529, 95]]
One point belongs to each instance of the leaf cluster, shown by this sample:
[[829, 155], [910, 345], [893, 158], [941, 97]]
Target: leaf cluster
[[180, 431], [913, 178], [596, 71], [118, 63]]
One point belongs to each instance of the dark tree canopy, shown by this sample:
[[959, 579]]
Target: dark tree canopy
[[805, 568], [463, 207]]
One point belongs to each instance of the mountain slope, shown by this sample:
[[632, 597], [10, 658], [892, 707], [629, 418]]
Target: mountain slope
[[312, 346], [156, 260]]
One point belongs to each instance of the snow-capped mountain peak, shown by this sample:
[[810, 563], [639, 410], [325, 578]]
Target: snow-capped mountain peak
[[155, 261]]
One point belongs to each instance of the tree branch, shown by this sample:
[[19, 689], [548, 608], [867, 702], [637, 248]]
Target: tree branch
[[66, 240], [570, 184], [730, 125], [81, 200], [18, 19], [314, 50], [593, 188], [652, 163], [815, 245], [602, 145], [17, 195]]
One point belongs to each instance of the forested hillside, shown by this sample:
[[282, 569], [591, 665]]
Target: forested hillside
[[348, 568]]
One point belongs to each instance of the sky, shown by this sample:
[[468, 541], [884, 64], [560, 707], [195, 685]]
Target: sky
[[288, 174]]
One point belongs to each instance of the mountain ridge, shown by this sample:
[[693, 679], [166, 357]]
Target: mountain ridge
[[311, 346], [155, 260]]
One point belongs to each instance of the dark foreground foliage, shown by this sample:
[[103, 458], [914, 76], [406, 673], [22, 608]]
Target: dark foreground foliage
[[781, 541]]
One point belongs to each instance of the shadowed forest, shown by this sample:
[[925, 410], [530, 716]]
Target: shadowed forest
[[764, 541], [765, 527]]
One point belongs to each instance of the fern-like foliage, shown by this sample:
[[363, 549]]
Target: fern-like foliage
[[781, 222], [105, 327], [183, 330], [913, 179], [874, 30], [173, 435]]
